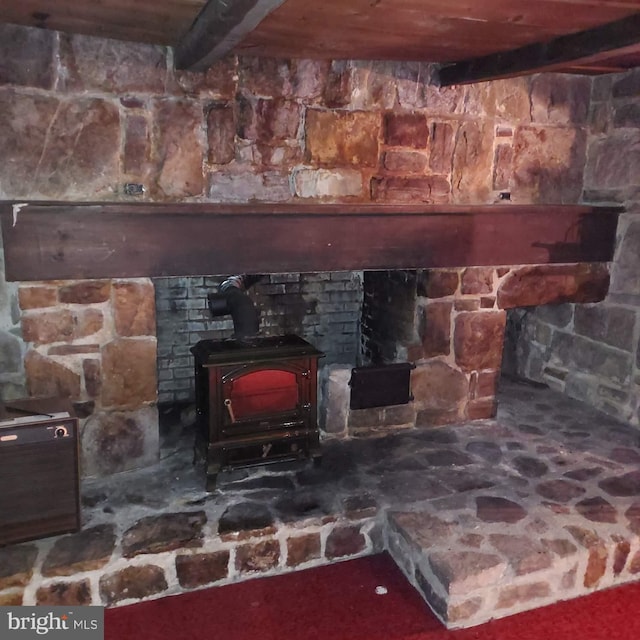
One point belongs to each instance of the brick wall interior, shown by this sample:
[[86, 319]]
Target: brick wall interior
[[323, 308], [388, 315]]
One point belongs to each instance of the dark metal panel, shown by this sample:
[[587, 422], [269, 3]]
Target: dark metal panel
[[75, 241], [381, 385]]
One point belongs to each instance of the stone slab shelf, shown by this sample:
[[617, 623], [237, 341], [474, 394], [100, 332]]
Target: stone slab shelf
[[74, 240]]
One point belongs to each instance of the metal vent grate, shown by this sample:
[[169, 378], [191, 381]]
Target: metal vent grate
[[381, 385]]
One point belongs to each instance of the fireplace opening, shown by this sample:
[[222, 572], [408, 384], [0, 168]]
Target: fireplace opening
[[356, 320], [324, 309], [447, 325], [111, 345]]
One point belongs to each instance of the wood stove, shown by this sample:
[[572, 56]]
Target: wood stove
[[256, 402]]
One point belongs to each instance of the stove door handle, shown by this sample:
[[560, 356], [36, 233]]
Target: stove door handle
[[227, 403]]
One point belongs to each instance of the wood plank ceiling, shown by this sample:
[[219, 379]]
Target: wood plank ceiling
[[487, 38]]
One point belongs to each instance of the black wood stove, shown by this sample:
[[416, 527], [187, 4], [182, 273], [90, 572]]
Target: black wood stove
[[256, 402]]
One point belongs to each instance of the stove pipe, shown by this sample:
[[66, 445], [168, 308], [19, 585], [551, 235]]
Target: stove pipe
[[231, 298]]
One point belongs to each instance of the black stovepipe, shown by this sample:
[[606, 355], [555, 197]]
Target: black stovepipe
[[236, 302]]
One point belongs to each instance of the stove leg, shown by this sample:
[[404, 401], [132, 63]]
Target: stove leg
[[211, 483], [213, 468]]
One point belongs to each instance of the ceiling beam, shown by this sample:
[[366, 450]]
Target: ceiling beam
[[562, 52], [219, 27]]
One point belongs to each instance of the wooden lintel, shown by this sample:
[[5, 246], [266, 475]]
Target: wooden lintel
[[565, 51], [79, 241], [219, 27]]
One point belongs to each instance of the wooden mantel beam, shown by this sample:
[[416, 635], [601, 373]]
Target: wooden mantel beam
[[219, 27], [59, 241], [586, 47]]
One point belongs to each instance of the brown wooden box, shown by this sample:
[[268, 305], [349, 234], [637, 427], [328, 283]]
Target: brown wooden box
[[39, 488]]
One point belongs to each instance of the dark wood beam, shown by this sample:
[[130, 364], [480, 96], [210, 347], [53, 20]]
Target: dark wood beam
[[565, 51], [78, 241], [219, 27]]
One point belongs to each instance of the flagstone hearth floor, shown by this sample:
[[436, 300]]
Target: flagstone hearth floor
[[485, 518]]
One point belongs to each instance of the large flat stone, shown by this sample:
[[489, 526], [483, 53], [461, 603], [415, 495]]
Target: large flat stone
[[436, 385], [548, 163], [406, 130], [59, 594], [221, 132], [435, 329], [17, 565], [132, 583], [472, 173], [92, 64], [10, 353], [614, 161], [85, 292], [129, 372], [26, 56], [625, 275], [46, 377], [497, 509], [339, 138], [345, 541], [134, 308], [70, 149], [200, 569], [553, 284], [464, 571], [257, 557], [115, 441], [478, 339], [155, 534], [86, 550], [180, 147]]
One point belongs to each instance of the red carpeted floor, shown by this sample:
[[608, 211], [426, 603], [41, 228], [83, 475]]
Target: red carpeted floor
[[339, 602]]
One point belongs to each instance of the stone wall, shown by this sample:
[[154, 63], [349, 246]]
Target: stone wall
[[81, 118], [12, 346], [592, 352], [450, 323], [323, 308], [94, 342]]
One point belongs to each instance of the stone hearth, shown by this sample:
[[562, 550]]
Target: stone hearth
[[486, 519]]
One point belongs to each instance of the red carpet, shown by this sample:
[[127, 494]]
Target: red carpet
[[338, 602]]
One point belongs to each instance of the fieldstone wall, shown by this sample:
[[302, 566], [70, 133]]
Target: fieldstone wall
[[94, 342], [592, 352], [81, 118], [451, 324]]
